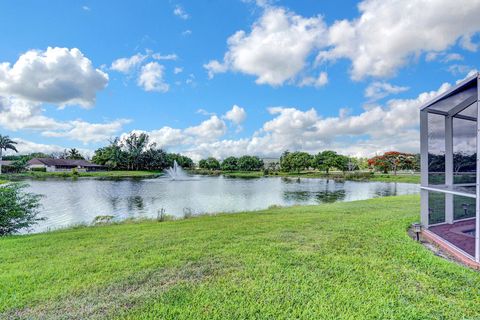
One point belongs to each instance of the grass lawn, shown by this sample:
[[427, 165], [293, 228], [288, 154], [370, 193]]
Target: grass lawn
[[349, 260], [3, 181], [99, 174]]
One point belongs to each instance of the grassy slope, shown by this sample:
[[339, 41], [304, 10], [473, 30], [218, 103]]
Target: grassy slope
[[99, 174], [406, 178], [344, 261]]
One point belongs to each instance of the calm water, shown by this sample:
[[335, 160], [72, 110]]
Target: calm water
[[68, 202]]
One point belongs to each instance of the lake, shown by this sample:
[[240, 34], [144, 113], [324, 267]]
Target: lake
[[68, 202]]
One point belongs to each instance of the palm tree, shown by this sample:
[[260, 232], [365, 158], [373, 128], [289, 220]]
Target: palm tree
[[5, 144], [74, 154]]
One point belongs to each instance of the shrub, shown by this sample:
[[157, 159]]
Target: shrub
[[18, 209], [40, 169]]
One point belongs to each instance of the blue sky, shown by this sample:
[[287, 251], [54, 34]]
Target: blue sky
[[229, 77]]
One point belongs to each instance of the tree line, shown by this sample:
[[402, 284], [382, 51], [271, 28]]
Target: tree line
[[136, 152], [244, 163]]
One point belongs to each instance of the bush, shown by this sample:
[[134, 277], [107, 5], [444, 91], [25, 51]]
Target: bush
[[41, 169], [18, 209]]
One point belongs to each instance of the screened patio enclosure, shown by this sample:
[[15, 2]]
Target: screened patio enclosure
[[449, 133]]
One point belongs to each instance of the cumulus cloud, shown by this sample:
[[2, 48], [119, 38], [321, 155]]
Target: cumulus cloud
[[276, 48], [318, 82], [177, 70], [88, 132], [208, 130], [151, 78], [57, 75], [386, 36], [180, 12], [378, 90], [126, 65], [378, 128], [237, 115], [389, 33]]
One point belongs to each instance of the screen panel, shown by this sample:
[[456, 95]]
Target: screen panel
[[436, 149], [436, 207]]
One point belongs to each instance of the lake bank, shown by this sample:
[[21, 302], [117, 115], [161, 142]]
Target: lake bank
[[345, 260], [352, 176], [93, 174]]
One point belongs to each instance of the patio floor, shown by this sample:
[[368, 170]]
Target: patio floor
[[455, 234]]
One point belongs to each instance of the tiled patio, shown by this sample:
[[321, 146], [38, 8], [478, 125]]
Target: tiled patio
[[455, 234]]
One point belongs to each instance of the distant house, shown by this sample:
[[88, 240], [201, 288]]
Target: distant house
[[62, 165], [7, 166]]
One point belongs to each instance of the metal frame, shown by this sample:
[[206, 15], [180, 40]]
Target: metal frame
[[448, 189]]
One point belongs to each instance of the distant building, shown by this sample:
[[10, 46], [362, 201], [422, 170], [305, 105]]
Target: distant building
[[271, 163], [62, 165]]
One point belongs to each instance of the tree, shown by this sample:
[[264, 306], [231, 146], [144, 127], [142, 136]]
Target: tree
[[393, 161], [18, 209], [74, 154], [329, 159], [6, 144], [230, 164], [111, 156], [209, 164], [295, 161], [135, 144], [249, 163], [20, 165]]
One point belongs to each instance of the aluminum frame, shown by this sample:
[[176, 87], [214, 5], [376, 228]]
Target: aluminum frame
[[448, 188]]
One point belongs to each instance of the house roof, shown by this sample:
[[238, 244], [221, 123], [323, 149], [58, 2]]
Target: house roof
[[6, 162], [63, 163]]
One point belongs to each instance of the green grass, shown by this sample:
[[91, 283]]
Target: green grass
[[406, 178], [3, 181], [337, 261], [356, 176], [98, 174]]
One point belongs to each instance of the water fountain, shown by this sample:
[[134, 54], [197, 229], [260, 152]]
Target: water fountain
[[176, 172]]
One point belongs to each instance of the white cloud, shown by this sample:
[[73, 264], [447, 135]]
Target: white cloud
[[393, 126], [86, 8], [187, 32], [57, 75], [18, 114], [378, 90], [452, 57], [237, 115], [318, 82], [151, 78], [89, 132], [205, 112], [125, 65], [180, 12], [177, 70], [275, 50], [389, 34], [158, 56], [459, 69], [208, 130]]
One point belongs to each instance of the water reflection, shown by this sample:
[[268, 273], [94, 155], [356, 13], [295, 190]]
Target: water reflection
[[68, 202]]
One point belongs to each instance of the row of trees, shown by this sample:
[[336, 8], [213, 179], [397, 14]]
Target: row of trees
[[244, 163], [323, 161], [135, 152]]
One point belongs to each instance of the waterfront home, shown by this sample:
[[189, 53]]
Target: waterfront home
[[450, 190], [62, 165]]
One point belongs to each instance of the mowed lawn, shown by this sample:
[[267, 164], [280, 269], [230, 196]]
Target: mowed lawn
[[337, 261]]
